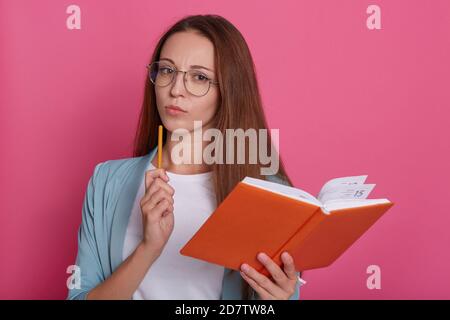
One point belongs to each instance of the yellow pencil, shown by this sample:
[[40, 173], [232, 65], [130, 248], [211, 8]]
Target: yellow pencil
[[160, 138]]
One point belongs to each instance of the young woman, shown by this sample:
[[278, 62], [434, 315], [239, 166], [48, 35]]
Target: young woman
[[136, 217]]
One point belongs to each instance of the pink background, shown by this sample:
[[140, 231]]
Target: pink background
[[347, 101]]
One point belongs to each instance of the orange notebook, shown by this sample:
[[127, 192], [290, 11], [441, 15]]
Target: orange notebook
[[259, 215]]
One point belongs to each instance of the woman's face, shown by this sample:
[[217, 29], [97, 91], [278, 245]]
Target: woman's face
[[183, 50]]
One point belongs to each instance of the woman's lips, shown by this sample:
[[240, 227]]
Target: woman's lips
[[173, 110]]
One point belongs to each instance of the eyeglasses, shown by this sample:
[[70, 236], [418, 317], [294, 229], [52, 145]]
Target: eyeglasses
[[162, 74]]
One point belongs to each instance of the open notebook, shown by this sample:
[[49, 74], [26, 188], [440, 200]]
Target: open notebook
[[259, 215]]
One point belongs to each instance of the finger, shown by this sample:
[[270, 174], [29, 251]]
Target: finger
[[148, 203], [289, 266], [150, 175], [262, 281], [155, 214], [168, 211], [276, 272], [158, 196], [263, 293], [161, 207], [157, 184]]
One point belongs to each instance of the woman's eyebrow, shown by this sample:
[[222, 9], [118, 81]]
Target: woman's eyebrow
[[195, 66], [201, 67]]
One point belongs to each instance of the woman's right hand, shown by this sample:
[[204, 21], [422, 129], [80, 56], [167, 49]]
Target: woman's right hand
[[157, 210]]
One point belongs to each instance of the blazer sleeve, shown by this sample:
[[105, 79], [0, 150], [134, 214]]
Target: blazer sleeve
[[88, 259]]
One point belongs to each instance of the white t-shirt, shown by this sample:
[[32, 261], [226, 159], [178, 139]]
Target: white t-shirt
[[172, 275]]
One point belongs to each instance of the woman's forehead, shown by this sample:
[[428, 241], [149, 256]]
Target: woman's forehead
[[186, 49]]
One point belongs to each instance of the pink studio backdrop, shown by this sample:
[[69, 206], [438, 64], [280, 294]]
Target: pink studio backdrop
[[347, 100]]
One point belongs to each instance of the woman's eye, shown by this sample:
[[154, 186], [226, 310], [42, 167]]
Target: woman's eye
[[201, 77], [165, 70]]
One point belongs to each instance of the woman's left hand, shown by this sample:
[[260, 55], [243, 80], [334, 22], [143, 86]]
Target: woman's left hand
[[284, 282]]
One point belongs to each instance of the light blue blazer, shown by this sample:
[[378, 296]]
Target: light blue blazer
[[106, 209]]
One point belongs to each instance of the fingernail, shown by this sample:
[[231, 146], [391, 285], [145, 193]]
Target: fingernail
[[244, 267], [262, 256]]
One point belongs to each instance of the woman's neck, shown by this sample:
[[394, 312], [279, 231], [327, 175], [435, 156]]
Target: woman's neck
[[170, 165]]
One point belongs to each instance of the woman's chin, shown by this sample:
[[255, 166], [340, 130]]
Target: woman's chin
[[180, 127], [173, 126]]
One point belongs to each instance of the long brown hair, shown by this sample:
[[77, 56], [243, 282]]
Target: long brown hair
[[240, 103]]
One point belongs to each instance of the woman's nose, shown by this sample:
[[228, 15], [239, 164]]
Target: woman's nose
[[178, 85]]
